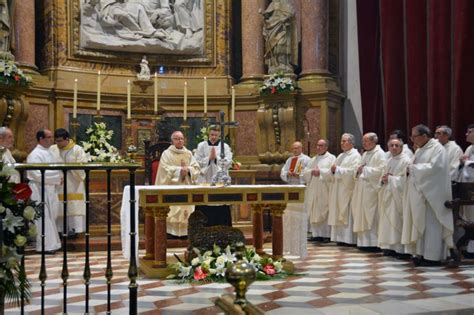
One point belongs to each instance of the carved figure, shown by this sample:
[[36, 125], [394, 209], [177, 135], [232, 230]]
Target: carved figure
[[188, 16], [5, 28], [129, 19], [144, 70], [204, 238], [279, 31], [147, 26]]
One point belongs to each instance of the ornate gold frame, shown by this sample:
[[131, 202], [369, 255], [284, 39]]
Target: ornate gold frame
[[75, 53]]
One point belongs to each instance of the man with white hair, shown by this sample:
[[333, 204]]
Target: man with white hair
[[364, 204], [318, 178], [427, 224], [6, 143], [391, 199], [340, 194], [295, 219], [454, 151], [177, 167]]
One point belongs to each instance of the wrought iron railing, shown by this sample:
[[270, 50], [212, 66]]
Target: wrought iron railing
[[132, 270]]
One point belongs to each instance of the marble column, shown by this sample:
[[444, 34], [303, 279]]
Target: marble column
[[24, 26], [252, 40], [257, 231], [315, 36]]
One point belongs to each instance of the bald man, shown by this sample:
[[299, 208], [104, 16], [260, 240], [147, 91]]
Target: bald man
[[292, 171], [177, 167], [295, 219]]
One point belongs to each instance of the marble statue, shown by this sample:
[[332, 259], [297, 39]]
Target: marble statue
[[279, 32], [144, 70], [151, 26], [5, 29]]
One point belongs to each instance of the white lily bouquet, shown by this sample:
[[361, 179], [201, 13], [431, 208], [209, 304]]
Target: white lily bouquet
[[278, 84], [212, 265], [98, 147]]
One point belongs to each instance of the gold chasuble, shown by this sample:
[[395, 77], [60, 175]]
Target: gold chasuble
[[169, 173]]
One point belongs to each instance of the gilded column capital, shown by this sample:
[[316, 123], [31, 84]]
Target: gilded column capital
[[277, 209], [161, 212], [257, 208]]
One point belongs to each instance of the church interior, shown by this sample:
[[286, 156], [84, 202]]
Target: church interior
[[148, 68]]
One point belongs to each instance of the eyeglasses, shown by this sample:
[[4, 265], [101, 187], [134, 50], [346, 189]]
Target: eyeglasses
[[394, 145], [178, 139], [414, 136]]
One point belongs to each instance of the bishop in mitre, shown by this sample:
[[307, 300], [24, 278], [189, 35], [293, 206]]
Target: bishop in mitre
[[427, 224], [365, 198], [340, 194], [177, 167], [318, 178], [393, 183]]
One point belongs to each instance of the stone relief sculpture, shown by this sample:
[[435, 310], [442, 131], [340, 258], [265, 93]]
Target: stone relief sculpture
[[144, 70], [5, 29], [154, 26], [279, 32]]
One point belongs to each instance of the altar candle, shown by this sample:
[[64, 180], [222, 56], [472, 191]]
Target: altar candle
[[129, 103], [232, 110], [155, 103], [98, 91], [205, 95], [185, 109], [74, 103]]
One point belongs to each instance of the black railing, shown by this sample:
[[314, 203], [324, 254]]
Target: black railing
[[132, 270]]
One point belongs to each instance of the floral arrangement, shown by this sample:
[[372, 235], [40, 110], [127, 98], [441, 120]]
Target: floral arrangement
[[98, 148], [10, 74], [17, 214], [212, 265], [277, 84], [203, 134]]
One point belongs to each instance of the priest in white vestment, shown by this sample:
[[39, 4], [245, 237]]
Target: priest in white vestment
[[453, 150], [6, 143], [318, 178], [427, 223], [69, 152], [398, 134], [466, 175], [208, 155], [340, 194], [364, 204], [52, 183], [391, 199], [177, 167], [295, 219]]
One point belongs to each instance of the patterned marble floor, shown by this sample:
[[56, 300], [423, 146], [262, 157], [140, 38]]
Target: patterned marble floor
[[334, 280]]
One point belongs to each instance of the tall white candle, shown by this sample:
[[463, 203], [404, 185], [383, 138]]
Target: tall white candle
[[129, 101], [98, 91], [232, 110], [185, 107], [74, 102], [205, 95], [155, 103]]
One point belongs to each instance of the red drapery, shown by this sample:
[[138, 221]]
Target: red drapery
[[416, 64]]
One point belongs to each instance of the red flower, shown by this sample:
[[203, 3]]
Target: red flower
[[274, 90], [16, 77], [199, 274], [22, 191], [269, 270]]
